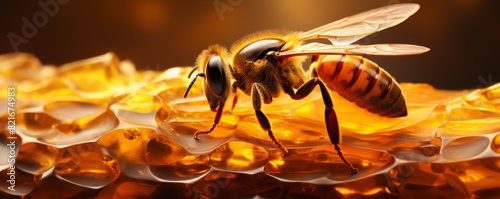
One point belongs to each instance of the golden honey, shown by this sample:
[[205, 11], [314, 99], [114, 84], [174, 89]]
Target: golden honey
[[129, 133]]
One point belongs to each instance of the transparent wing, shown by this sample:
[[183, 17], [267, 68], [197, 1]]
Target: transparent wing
[[354, 49], [350, 29]]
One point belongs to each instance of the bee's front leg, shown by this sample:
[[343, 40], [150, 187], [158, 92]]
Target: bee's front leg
[[257, 93]]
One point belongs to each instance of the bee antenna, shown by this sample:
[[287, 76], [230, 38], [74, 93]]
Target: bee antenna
[[192, 82], [192, 71]]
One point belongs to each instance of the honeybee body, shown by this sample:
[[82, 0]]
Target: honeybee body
[[362, 82], [266, 64]]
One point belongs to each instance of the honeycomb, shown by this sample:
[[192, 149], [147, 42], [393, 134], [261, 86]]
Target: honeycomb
[[98, 128]]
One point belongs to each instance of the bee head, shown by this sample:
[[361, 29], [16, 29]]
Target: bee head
[[216, 72]]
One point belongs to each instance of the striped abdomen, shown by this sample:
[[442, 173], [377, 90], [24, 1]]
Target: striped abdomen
[[363, 82]]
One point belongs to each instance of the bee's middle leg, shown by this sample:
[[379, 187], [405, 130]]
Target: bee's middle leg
[[234, 88], [258, 92]]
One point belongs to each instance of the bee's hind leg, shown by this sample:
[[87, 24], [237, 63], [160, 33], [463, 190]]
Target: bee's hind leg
[[332, 125], [258, 92]]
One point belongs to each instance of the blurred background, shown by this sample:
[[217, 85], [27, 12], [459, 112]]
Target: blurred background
[[463, 34]]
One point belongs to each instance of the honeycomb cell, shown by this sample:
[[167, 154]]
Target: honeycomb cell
[[128, 147], [9, 147], [416, 150], [17, 182], [169, 161], [80, 130], [441, 149], [465, 148], [128, 144], [239, 156], [36, 158], [136, 108], [313, 164], [86, 165], [35, 124], [188, 169], [162, 150], [185, 119]]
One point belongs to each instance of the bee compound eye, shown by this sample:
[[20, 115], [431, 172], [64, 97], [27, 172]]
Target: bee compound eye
[[260, 49], [215, 75]]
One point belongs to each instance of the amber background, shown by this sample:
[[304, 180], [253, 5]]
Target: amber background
[[463, 34]]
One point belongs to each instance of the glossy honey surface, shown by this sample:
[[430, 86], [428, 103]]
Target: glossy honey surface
[[98, 128]]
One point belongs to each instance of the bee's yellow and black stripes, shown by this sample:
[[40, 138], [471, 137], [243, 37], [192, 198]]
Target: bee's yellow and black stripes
[[363, 82]]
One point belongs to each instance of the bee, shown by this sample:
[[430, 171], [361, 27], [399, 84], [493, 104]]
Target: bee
[[267, 64]]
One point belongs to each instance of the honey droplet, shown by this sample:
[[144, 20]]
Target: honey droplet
[[86, 165], [36, 158], [132, 134]]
